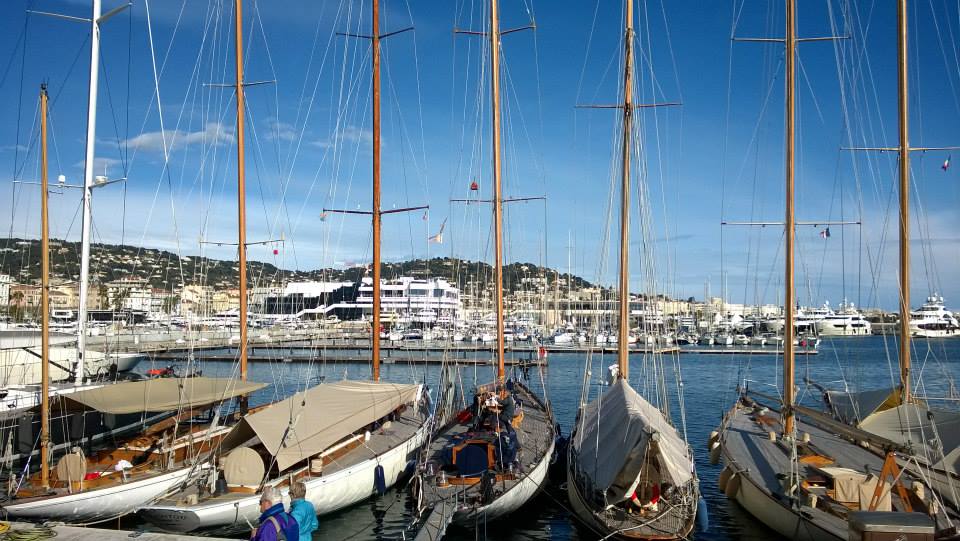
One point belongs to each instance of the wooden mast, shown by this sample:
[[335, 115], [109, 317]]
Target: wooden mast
[[375, 327], [904, 150], [497, 194], [788, 282], [241, 196], [44, 301], [623, 343]]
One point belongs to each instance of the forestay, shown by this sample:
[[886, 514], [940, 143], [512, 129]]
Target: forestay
[[309, 422], [162, 394], [618, 429]]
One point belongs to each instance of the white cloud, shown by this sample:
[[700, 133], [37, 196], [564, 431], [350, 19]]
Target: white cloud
[[350, 134], [101, 166], [214, 133], [280, 131]]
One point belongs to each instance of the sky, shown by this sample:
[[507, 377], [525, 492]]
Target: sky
[[718, 156]]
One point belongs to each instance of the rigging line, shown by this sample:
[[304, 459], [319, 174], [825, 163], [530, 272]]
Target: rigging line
[[113, 113], [23, 66]]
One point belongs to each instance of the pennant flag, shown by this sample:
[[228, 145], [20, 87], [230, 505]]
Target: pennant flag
[[474, 186], [323, 216], [825, 234], [424, 215], [946, 163], [275, 251], [438, 238]]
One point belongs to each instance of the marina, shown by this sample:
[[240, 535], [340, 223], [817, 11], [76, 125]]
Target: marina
[[382, 270]]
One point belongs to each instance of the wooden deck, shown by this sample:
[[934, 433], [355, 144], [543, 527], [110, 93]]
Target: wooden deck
[[765, 464], [461, 498]]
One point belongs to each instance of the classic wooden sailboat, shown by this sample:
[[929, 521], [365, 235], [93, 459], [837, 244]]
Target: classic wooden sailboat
[[629, 472], [491, 458], [799, 472], [346, 441], [927, 434], [114, 482]]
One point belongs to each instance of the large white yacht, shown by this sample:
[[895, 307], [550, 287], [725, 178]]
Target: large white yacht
[[847, 321], [932, 320]]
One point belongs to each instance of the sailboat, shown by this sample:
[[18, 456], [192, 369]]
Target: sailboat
[[630, 474], [113, 482], [922, 434], [798, 471], [492, 457], [346, 441]]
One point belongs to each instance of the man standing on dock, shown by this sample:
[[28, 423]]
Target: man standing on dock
[[275, 523]]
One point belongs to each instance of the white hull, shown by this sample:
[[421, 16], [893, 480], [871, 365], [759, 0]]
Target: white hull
[[937, 333], [512, 499], [99, 505], [328, 493]]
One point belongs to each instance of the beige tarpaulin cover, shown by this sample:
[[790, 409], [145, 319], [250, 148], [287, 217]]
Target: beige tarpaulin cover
[[617, 431], [162, 394], [309, 422]]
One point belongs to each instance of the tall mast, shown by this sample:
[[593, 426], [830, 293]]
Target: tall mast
[[788, 294], [375, 328], [497, 194], [86, 231], [241, 194], [44, 300], [623, 344], [904, 149]]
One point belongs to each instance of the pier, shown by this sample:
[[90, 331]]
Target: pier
[[26, 530]]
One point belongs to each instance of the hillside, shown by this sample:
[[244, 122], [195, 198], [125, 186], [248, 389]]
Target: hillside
[[20, 258]]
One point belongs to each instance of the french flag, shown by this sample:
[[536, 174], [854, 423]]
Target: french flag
[[825, 234]]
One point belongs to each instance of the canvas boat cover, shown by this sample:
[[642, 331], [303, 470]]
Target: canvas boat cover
[[307, 423], [851, 408], [618, 428], [162, 394], [918, 426]]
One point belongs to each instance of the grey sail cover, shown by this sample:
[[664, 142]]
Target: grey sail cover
[[613, 440], [161, 394], [851, 408], [307, 423], [918, 426]]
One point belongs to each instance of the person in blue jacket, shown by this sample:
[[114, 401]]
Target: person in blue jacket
[[275, 523], [303, 511]]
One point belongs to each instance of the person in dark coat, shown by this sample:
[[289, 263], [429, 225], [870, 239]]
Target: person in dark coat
[[275, 523]]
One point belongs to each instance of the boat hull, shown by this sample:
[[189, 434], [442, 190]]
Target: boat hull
[[99, 505], [512, 499], [773, 514], [328, 493]]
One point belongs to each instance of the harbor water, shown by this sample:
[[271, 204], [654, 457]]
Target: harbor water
[[709, 388]]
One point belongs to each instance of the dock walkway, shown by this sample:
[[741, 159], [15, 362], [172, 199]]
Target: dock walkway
[[75, 533]]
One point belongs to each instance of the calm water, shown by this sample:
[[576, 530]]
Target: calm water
[[708, 382]]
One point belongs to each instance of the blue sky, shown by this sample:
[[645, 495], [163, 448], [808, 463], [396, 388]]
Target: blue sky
[[718, 157]]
